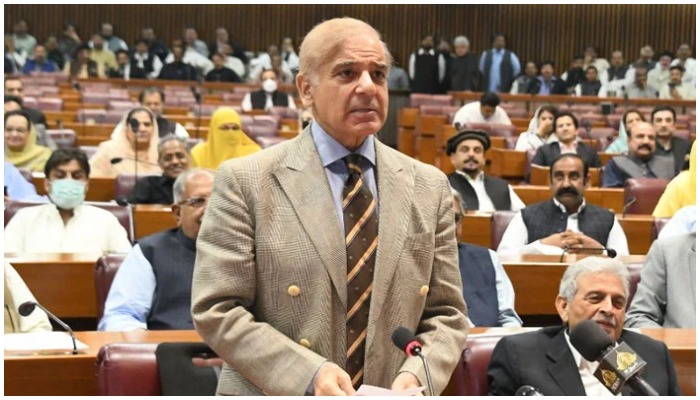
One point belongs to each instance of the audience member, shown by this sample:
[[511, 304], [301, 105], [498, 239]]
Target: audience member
[[264, 61], [233, 62], [522, 84], [620, 144], [486, 110], [39, 62], [222, 39], [82, 67], [640, 161], [153, 287], [684, 59], [220, 73], [200, 65], [398, 78], [666, 291], [16, 294], [676, 89], [486, 288], [68, 42], [566, 223], [145, 60], [158, 189], [100, 54], [639, 89], [683, 221], [540, 130], [661, 74], [565, 128], [226, 140], [113, 42], [125, 69], [646, 59], [132, 149], [17, 187], [14, 58], [14, 103], [15, 87], [284, 74], [546, 83], [67, 225], [594, 289], [574, 75], [663, 118], [467, 150], [268, 96], [615, 77], [53, 53], [178, 69], [591, 86], [153, 99], [156, 46], [288, 54], [190, 41], [21, 37], [499, 66], [464, 67], [590, 58], [680, 192], [236, 49], [21, 148], [426, 67]]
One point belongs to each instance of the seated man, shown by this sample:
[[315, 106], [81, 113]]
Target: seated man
[[594, 289], [268, 96], [39, 63], [565, 223], [158, 189], [15, 87], [676, 89], [663, 119], [565, 128], [666, 292], [680, 192], [640, 161], [591, 86], [487, 289], [467, 149], [152, 289], [153, 99], [16, 187], [486, 110], [66, 225], [221, 73]]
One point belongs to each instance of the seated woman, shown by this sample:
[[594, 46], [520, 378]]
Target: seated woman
[[16, 293], [21, 149], [539, 131], [226, 140], [134, 149], [82, 66], [620, 145], [565, 127]]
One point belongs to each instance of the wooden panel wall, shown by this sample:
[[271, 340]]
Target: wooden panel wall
[[534, 32]]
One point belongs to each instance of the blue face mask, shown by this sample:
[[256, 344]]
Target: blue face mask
[[67, 193]]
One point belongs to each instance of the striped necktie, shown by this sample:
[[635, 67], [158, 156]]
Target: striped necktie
[[361, 227]]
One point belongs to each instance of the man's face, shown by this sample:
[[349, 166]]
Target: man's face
[[51, 43], [600, 296], [222, 35], [351, 97], [142, 48], [226, 49], [617, 60], [287, 45], [577, 63], [122, 59], [565, 129], [148, 34], [642, 141], [195, 198], [487, 111], [16, 133], [675, 76], [190, 36], [144, 131], [39, 53], [107, 30], [218, 61], [683, 51], [14, 87], [173, 158], [531, 69], [547, 71], [664, 123], [269, 74], [567, 182], [591, 74], [69, 170], [154, 103], [428, 42], [461, 50], [21, 28], [499, 42], [665, 62], [640, 76], [177, 53], [469, 156], [97, 42], [646, 53], [590, 53], [276, 62]]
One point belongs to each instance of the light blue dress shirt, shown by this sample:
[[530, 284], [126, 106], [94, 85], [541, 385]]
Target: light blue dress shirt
[[506, 295], [495, 73], [19, 188], [682, 222]]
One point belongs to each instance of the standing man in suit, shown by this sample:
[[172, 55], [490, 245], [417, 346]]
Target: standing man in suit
[[565, 127], [591, 289], [499, 66], [314, 251]]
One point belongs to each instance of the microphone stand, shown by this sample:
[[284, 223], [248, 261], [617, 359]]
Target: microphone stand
[[427, 373], [197, 92]]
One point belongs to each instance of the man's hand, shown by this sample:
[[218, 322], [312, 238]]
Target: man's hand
[[405, 380], [675, 94], [332, 380], [585, 241]]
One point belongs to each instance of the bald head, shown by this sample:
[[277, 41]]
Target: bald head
[[327, 38]]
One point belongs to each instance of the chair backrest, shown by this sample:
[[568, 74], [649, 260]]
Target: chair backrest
[[267, 141], [180, 376], [105, 269], [471, 372], [113, 116], [499, 223], [635, 271], [123, 214], [27, 174], [659, 223], [255, 131], [64, 138], [128, 369], [50, 104], [646, 191], [11, 208], [124, 184], [88, 150], [96, 116]]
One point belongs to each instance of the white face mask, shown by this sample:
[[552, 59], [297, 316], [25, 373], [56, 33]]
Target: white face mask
[[269, 85]]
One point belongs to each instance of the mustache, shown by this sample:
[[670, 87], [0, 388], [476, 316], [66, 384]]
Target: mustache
[[567, 190], [608, 320], [644, 146], [469, 159]]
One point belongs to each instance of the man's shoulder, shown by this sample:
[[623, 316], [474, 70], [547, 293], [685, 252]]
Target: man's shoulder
[[156, 237], [528, 340], [33, 211], [420, 169], [598, 209], [638, 340], [536, 207], [496, 180]]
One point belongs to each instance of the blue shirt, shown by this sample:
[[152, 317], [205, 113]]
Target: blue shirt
[[18, 188], [682, 222], [31, 66], [505, 293], [495, 73], [332, 153]]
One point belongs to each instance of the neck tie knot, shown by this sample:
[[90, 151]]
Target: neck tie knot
[[354, 163]]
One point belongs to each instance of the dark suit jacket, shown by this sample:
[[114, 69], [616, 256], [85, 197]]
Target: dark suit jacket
[[557, 86], [680, 148], [547, 153], [542, 359]]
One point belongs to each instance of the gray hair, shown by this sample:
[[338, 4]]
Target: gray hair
[[167, 138], [461, 41], [179, 185], [456, 196], [589, 265]]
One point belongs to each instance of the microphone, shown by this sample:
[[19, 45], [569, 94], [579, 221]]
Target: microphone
[[587, 129], [196, 92], [612, 253], [117, 160], [458, 126], [619, 364], [528, 390], [28, 307], [124, 202], [631, 201], [409, 343], [134, 125], [76, 86]]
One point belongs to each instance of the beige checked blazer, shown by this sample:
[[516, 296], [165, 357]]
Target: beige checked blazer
[[269, 289]]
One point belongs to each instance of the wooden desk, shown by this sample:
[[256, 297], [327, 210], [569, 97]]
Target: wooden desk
[[610, 198], [476, 228], [152, 218], [101, 189]]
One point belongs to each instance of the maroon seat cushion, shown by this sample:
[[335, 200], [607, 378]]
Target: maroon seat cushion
[[128, 369]]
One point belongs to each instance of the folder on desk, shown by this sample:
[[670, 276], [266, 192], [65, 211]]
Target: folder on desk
[[40, 343]]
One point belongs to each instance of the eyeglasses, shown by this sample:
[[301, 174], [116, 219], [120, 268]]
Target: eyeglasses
[[195, 202]]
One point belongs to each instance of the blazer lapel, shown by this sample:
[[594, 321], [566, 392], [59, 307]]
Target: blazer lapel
[[563, 370], [313, 204]]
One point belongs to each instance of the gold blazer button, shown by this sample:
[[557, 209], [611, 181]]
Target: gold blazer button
[[305, 343], [294, 291], [424, 290]]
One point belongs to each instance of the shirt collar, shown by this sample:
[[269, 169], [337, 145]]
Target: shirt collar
[[190, 244], [590, 365], [332, 151], [563, 209], [422, 51], [479, 178]]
